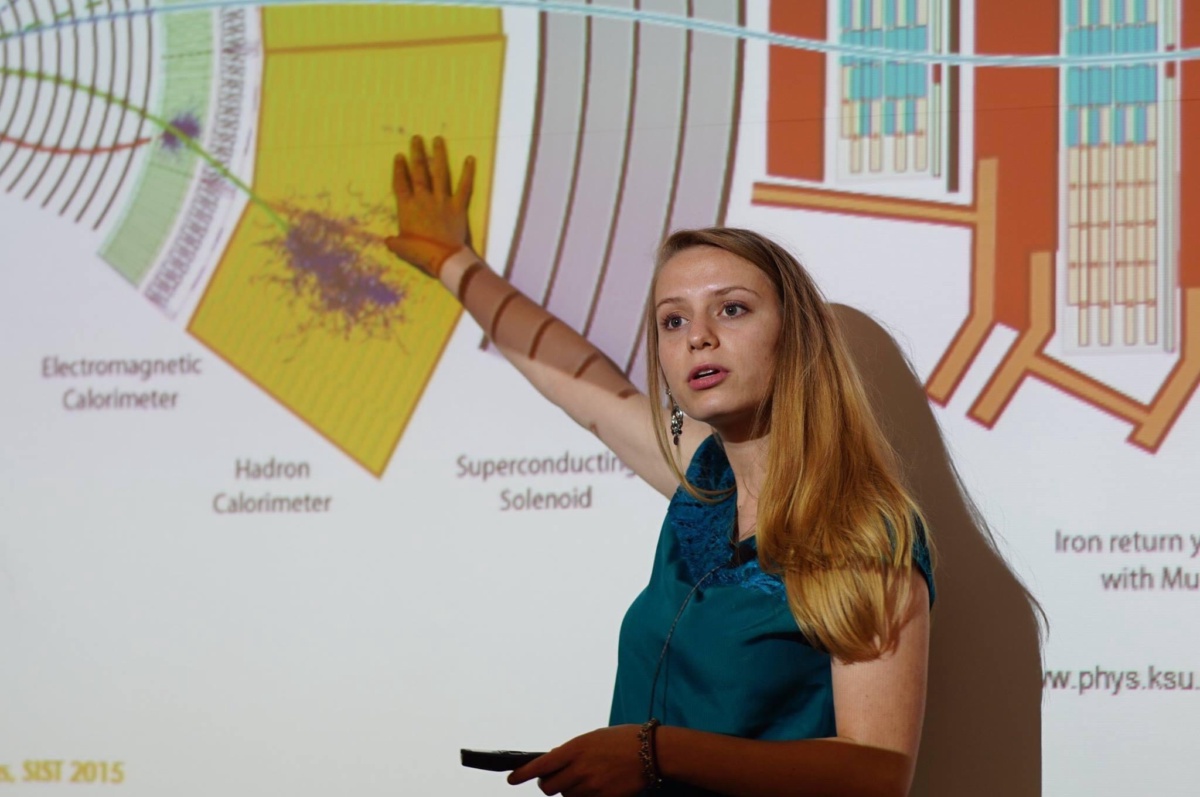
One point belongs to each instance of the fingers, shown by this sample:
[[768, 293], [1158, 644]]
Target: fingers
[[539, 767], [401, 182], [421, 180], [440, 168], [466, 184], [561, 782], [557, 781]]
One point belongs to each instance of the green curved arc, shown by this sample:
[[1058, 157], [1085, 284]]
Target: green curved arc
[[163, 124]]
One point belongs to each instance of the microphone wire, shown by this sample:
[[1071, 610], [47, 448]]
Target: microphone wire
[[736, 558]]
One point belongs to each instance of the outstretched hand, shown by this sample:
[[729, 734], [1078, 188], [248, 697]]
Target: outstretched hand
[[603, 763], [432, 216]]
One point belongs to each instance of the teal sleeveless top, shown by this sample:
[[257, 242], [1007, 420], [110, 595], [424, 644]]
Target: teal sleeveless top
[[735, 661]]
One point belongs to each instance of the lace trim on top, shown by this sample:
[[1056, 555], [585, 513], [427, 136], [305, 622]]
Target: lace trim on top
[[703, 529]]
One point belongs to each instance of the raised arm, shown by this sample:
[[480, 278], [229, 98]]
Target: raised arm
[[563, 365]]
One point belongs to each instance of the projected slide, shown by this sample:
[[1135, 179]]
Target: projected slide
[[278, 519]]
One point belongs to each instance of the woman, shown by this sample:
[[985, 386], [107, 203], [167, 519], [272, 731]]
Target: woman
[[781, 645]]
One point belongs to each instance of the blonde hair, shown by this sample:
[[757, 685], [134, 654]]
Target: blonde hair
[[833, 518]]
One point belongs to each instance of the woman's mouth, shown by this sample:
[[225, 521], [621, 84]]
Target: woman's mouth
[[706, 376]]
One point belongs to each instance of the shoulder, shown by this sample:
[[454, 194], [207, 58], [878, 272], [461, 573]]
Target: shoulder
[[922, 559]]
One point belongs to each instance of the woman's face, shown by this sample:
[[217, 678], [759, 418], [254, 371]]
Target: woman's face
[[718, 320]]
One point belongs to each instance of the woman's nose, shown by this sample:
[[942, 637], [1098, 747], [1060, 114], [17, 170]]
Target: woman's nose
[[700, 335]]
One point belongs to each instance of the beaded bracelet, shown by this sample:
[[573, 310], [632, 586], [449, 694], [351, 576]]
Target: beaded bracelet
[[649, 754]]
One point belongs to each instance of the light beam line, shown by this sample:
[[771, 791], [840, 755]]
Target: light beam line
[[670, 20]]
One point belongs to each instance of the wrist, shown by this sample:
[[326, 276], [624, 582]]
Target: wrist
[[666, 743], [648, 754], [454, 268]]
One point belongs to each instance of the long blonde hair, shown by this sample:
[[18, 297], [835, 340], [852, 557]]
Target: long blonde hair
[[833, 518]]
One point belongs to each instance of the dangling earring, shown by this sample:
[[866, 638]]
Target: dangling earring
[[676, 418]]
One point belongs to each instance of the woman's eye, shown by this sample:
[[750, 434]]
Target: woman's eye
[[672, 322], [733, 310]]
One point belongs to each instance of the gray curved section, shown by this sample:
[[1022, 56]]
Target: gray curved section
[[600, 168], [561, 75], [634, 136], [708, 142], [650, 175]]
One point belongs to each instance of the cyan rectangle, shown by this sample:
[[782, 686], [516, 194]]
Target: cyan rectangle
[[1149, 83], [1075, 95], [1075, 41], [919, 80], [1101, 89], [1150, 41], [1072, 128], [921, 35], [1125, 39]]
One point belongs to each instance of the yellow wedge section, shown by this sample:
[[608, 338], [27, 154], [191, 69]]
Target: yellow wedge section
[[343, 89]]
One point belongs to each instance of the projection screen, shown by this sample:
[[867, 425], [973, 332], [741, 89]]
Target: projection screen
[[277, 520]]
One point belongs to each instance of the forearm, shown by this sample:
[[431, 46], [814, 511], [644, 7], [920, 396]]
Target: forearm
[[562, 364], [825, 767]]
